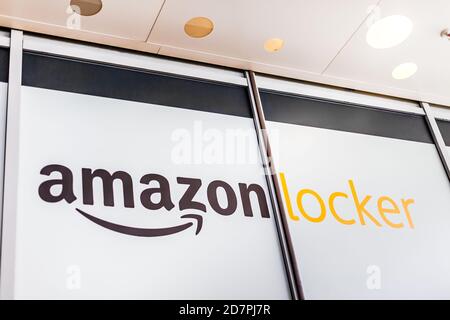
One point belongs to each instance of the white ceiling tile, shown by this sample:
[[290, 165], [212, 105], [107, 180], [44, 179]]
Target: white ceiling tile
[[360, 62], [130, 19], [313, 31]]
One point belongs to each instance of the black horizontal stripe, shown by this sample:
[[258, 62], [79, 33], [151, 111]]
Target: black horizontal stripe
[[342, 116], [444, 127], [58, 73], [4, 64]]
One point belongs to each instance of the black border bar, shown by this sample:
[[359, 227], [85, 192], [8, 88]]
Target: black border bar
[[4, 64], [444, 127], [313, 112], [103, 80]]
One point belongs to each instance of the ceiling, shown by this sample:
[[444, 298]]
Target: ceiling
[[324, 40]]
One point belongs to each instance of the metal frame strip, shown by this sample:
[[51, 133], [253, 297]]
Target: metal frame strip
[[11, 169], [437, 137], [288, 254]]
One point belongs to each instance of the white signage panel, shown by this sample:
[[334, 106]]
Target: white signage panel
[[122, 199], [369, 216]]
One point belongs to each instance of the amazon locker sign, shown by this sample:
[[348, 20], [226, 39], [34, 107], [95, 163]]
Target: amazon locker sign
[[105, 212], [366, 197]]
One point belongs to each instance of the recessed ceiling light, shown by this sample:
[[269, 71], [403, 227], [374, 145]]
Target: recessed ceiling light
[[404, 70], [198, 27], [86, 7], [389, 32], [273, 45]]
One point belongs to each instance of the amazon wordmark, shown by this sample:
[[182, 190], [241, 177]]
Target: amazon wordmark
[[156, 194]]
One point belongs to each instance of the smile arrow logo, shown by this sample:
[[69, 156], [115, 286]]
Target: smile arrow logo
[[141, 232]]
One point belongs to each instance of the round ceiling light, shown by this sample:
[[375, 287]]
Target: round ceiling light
[[86, 7], [273, 45], [389, 32], [404, 70], [198, 27]]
